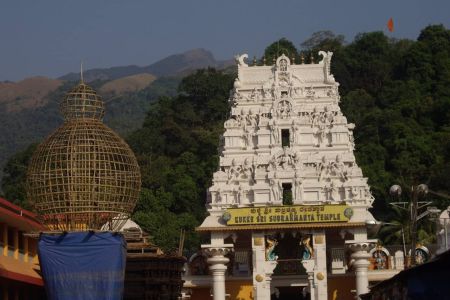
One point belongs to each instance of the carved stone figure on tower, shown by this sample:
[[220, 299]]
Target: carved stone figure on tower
[[255, 95], [321, 135], [323, 168], [284, 109], [285, 159], [314, 117], [338, 167], [233, 171], [247, 170], [298, 184], [274, 131], [252, 119], [248, 137], [328, 116], [294, 135]]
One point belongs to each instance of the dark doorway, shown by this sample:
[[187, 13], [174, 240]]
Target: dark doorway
[[287, 193], [290, 293], [285, 138]]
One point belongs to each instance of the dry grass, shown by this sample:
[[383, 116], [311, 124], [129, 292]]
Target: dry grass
[[127, 84], [28, 93]]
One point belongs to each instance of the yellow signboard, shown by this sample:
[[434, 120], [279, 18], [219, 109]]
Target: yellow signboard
[[288, 214]]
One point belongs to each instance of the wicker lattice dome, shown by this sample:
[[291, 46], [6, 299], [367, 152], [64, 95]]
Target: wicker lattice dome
[[84, 175]]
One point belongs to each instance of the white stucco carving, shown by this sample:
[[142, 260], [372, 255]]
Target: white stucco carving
[[286, 127]]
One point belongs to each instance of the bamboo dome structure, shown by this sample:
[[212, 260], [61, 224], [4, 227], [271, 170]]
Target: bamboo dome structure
[[83, 176]]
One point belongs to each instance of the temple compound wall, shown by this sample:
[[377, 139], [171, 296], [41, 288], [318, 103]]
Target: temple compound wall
[[288, 206]]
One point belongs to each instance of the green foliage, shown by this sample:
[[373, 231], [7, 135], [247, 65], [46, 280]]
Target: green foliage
[[177, 152], [13, 182], [282, 46]]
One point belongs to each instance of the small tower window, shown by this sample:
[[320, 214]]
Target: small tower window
[[285, 138], [287, 194]]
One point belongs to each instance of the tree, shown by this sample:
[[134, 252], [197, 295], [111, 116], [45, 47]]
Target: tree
[[282, 46], [325, 39], [13, 182]]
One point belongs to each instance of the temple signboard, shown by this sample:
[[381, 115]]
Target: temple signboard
[[288, 214]]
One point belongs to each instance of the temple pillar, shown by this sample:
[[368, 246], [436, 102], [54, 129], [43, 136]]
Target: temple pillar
[[309, 264], [360, 248], [262, 268], [320, 288], [218, 267]]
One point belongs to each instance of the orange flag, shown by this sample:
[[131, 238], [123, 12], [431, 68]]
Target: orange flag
[[390, 25]]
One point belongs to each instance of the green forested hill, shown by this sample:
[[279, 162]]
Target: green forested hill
[[397, 92]]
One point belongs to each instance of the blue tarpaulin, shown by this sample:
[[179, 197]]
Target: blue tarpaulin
[[83, 265]]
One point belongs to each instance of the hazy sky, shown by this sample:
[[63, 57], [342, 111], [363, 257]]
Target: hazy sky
[[42, 37]]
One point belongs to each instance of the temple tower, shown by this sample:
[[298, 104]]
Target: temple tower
[[287, 167]]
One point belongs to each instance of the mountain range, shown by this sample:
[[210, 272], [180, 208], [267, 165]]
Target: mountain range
[[29, 108]]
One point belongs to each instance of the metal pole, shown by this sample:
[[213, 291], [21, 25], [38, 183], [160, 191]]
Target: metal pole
[[413, 224], [445, 232], [404, 245]]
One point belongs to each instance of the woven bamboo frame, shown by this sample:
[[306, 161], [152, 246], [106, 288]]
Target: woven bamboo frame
[[83, 176]]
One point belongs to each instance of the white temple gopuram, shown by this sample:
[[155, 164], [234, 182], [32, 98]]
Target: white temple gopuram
[[288, 206]]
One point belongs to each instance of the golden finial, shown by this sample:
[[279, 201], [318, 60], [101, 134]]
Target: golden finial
[[254, 60], [302, 59], [264, 60]]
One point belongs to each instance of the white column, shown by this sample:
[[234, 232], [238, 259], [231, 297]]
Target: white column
[[218, 266], [320, 268], [309, 265], [361, 264], [262, 269]]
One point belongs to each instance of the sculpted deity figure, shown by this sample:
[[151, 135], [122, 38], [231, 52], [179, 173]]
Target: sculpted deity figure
[[270, 247], [248, 137], [241, 118], [218, 196], [254, 95], [333, 192], [252, 119], [298, 183], [323, 168], [314, 117], [328, 116], [274, 131], [241, 195], [247, 169], [285, 160], [307, 249], [284, 109], [338, 167], [321, 134], [275, 91], [274, 187], [233, 171], [294, 135]]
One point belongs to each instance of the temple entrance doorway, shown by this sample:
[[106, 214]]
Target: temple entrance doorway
[[290, 293]]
